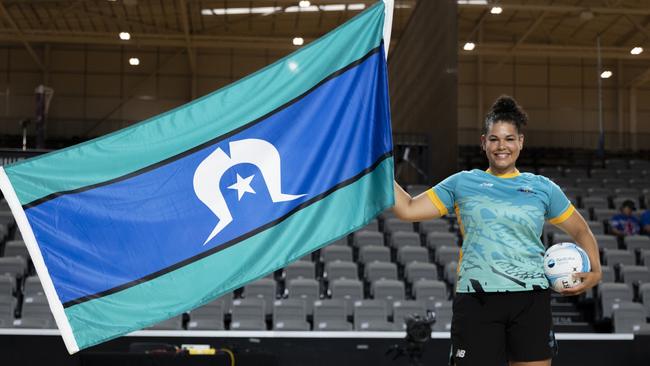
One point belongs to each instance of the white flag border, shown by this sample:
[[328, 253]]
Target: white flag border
[[37, 258], [389, 6]]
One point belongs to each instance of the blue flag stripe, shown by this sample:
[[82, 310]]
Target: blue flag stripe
[[171, 159], [234, 241]]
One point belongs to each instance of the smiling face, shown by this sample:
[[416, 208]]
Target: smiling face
[[502, 144]]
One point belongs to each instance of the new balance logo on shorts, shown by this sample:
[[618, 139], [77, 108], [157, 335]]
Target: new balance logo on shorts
[[460, 353]]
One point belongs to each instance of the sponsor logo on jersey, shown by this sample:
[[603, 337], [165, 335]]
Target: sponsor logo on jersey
[[526, 189]]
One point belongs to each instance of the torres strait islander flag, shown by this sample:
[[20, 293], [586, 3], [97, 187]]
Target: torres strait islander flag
[[148, 222]]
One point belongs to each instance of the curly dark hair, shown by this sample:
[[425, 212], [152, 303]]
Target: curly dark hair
[[506, 109]]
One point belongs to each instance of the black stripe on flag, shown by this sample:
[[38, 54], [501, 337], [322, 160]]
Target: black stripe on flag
[[232, 242]]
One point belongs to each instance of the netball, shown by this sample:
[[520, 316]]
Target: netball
[[561, 261]]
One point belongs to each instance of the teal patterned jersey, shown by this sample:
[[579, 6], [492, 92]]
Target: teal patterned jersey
[[501, 220]]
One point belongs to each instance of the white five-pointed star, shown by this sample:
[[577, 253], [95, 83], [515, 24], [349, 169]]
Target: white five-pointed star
[[242, 186]]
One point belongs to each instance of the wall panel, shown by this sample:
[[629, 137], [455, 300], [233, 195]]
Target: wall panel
[[561, 98]]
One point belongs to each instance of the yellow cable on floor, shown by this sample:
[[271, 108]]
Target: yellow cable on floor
[[232, 355]]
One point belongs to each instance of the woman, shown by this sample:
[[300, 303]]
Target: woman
[[502, 304]]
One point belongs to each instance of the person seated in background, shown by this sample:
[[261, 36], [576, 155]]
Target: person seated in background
[[645, 222], [625, 223]]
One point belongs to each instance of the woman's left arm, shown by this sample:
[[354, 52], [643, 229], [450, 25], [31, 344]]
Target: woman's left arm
[[577, 228]]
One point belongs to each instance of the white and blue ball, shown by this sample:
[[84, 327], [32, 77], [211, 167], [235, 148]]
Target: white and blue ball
[[561, 261]]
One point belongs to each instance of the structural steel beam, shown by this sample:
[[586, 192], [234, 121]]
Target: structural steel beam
[[158, 40], [553, 51], [21, 37], [562, 8]]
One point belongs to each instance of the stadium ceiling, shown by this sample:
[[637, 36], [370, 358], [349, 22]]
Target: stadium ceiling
[[561, 28], [537, 28], [259, 24]]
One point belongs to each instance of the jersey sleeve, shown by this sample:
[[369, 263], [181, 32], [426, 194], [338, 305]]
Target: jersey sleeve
[[443, 195], [559, 207]]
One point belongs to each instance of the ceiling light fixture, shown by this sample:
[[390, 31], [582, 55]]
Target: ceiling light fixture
[[606, 74], [496, 10], [469, 46], [356, 6], [298, 41], [255, 10], [636, 50], [125, 36], [134, 61], [303, 6]]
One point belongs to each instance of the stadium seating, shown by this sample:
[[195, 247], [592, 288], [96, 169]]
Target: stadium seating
[[7, 285], [369, 254], [435, 240], [406, 255], [336, 253], [373, 278], [299, 269], [416, 271], [434, 226], [442, 311], [363, 238], [627, 316], [265, 289], [394, 225], [303, 288], [612, 293], [331, 315], [290, 314], [388, 290], [606, 241], [208, 317], [16, 248], [340, 270], [430, 292], [371, 315], [613, 257], [13, 266], [380, 270], [347, 290], [402, 239], [405, 309], [248, 314], [636, 242], [33, 286]]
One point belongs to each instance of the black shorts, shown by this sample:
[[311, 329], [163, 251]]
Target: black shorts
[[490, 328]]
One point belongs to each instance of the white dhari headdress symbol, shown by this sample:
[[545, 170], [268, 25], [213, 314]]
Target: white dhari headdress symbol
[[252, 151]]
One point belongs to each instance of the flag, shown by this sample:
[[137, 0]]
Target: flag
[[153, 220]]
